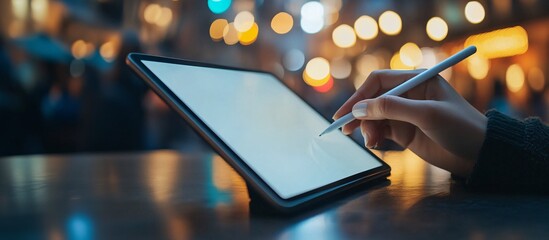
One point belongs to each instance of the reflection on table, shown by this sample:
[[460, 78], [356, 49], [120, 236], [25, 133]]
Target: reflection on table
[[166, 194]]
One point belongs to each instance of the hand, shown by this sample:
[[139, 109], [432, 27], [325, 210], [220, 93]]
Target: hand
[[432, 119]]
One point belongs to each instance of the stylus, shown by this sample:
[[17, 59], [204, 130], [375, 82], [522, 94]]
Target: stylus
[[411, 83]]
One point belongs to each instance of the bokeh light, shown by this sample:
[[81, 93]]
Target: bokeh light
[[536, 79], [152, 13], [39, 10], [80, 49], [397, 64], [437, 29], [344, 36], [155, 14], [504, 42], [331, 11], [478, 66], [366, 27], [474, 12], [216, 29], [340, 68], [366, 64], [410, 54], [514, 77], [244, 21], [230, 35], [293, 60], [219, 6], [108, 51], [332, 5], [390, 23], [317, 72], [165, 18], [429, 57], [326, 87], [312, 17], [282, 23], [314, 82], [318, 68], [249, 37]]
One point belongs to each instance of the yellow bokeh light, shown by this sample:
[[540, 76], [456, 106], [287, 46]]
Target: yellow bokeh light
[[504, 42], [39, 9], [536, 79], [244, 21], [318, 69], [397, 64], [390, 23], [249, 37], [165, 17], [108, 51], [478, 66], [216, 29], [282, 23], [230, 35], [152, 13], [474, 12], [437, 29], [411, 55], [314, 82], [366, 27], [514, 77], [19, 8], [344, 36], [79, 49]]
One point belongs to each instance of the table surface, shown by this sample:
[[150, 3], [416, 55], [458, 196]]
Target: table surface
[[173, 195]]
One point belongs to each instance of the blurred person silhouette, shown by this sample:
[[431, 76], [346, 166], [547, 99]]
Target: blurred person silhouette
[[491, 151], [113, 113]]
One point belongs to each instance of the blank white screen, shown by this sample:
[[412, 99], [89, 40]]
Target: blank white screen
[[268, 126]]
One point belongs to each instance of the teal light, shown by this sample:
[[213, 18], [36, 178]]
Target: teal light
[[219, 6]]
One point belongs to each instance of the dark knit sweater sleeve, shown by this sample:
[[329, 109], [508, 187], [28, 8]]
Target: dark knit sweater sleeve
[[514, 156]]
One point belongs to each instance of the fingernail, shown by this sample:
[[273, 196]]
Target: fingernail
[[346, 131], [359, 110]]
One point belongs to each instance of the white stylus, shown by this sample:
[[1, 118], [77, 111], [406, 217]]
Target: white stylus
[[411, 83]]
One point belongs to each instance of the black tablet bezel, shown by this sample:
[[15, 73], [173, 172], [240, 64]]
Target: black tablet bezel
[[134, 60]]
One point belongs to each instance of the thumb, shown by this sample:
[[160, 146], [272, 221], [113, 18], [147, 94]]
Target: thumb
[[391, 107]]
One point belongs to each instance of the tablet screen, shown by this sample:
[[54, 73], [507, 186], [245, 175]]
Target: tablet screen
[[267, 125]]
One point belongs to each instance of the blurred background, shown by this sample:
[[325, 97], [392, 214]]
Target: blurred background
[[65, 87]]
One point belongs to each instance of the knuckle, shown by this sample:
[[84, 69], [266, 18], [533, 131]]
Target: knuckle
[[383, 106], [379, 72]]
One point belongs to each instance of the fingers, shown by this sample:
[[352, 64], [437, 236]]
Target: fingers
[[377, 83], [416, 112], [348, 128], [373, 132]]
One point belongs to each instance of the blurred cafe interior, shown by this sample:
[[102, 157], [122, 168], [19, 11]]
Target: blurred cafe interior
[[65, 86]]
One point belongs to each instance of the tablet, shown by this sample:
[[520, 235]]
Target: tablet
[[266, 132]]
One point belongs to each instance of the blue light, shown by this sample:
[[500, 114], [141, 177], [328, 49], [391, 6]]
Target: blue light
[[219, 6], [80, 227]]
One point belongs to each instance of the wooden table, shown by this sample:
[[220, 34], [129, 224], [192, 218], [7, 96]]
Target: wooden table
[[171, 195]]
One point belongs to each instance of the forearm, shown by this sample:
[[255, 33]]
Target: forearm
[[514, 156]]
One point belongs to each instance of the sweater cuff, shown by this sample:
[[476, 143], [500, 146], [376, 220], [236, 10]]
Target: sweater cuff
[[498, 165]]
